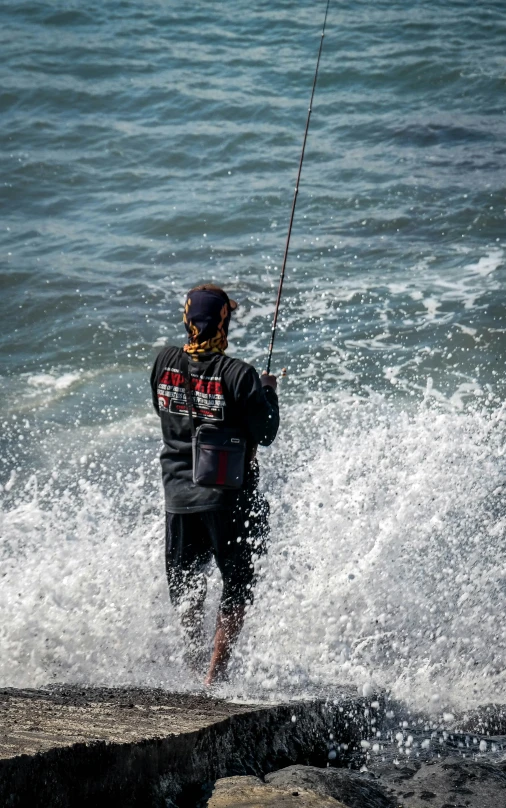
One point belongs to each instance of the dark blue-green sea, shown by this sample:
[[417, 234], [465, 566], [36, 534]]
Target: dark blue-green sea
[[148, 146]]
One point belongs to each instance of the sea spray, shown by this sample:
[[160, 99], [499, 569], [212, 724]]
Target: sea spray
[[386, 562]]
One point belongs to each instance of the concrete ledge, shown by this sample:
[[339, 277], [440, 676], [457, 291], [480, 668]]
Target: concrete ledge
[[80, 747]]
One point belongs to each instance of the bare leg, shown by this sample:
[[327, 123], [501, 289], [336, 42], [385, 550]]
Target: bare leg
[[228, 628], [191, 615]]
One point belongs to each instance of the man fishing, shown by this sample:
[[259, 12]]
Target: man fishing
[[206, 520]]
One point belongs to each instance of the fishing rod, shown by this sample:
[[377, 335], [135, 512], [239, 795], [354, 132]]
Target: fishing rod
[[282, 276]]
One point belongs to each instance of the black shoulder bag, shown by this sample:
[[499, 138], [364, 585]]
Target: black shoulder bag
[[218, 452]]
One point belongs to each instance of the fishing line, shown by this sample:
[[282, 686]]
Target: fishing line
[[282, 276]]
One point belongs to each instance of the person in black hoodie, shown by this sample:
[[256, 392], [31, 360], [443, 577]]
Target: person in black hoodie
[[206, 521]]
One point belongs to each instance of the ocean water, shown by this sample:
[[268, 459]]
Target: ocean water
[[148, 146]]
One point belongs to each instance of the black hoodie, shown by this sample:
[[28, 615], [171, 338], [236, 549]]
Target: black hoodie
[[225, 391]]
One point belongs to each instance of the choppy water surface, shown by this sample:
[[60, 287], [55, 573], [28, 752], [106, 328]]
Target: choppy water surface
[[147, 146]]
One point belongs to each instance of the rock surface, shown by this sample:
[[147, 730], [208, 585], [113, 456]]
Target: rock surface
[[72, 746], [354, 789], [130, 747], [251, 792], [489, 719], [448, 783], [34, 721], [452, 783]]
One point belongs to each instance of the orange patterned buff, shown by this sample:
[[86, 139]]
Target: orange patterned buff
[[206, 317]]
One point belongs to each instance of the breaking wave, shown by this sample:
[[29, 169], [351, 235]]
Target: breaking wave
[[386, 565]]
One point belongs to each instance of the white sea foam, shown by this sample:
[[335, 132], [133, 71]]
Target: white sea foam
[[388, 562], [51, 380], [488, 263], [386, 565]]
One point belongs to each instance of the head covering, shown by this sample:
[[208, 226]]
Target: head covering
[[206, 317]]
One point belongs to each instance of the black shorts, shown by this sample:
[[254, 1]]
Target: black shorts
[[234, 536]]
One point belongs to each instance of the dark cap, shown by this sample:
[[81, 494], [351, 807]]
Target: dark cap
[[207, 313], [211, 287]]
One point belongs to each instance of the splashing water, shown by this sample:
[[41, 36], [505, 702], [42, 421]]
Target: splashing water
[[389, 562], [386, 564]]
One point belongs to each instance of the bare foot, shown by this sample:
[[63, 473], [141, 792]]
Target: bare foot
[[215, 677]]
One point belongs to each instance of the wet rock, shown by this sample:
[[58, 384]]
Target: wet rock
[[452, 783], [489, 719], [354, 789], [251, 792], [75, 746]]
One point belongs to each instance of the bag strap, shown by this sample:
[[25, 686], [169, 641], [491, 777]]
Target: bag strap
[[188, 390], [187, 385]]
